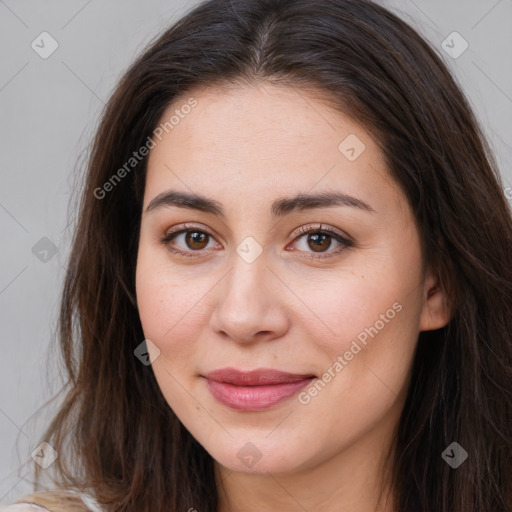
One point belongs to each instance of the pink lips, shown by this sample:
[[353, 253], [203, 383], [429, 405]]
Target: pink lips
[[254, 390]]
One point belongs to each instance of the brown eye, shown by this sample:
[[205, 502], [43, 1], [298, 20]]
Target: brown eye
[[186, 242], [319, 241], [196, 239]]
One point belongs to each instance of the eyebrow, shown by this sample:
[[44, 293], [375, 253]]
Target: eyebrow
[[280, 207]]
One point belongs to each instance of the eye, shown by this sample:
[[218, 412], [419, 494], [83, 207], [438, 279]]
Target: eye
[[320, 239], [193, 240]]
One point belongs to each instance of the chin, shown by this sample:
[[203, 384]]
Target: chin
[[260, 456]]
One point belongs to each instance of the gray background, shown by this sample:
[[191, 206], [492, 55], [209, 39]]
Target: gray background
[[49, 110]]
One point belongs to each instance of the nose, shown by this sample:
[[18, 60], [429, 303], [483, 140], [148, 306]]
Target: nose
[[250, 305]]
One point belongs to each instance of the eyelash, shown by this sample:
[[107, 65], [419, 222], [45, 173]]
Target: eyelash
[[302, 231]]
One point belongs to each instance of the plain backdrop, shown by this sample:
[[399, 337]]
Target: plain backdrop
[[49, 108]]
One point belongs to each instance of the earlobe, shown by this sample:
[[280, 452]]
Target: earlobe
[[436, 312]]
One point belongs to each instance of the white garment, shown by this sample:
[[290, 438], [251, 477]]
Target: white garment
[[23, 507], [88, 500]]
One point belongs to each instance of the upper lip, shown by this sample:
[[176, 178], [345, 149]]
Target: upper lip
[[258, 377]]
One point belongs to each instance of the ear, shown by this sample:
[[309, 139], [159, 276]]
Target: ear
[[436, 312]]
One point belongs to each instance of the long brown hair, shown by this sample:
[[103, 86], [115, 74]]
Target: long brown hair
[[114, 431]]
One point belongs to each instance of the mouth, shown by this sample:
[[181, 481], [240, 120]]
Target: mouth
[[254, 390]]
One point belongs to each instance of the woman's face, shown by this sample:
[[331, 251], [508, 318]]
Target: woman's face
[[256, 283]]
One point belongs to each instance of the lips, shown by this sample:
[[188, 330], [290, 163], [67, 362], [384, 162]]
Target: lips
[[254, 390]]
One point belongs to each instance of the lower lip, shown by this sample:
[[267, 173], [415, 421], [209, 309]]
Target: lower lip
[[254, 398]]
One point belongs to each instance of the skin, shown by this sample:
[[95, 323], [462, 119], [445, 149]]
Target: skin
[[246, 147]]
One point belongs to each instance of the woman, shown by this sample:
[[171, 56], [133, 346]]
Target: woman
[[290, 284]]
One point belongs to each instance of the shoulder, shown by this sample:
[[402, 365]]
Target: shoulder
[[23, 507], [54, 501]]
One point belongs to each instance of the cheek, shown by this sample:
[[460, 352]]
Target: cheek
[[365, 336], [369, 368], [165, 303], [169, 311], [349, 307], [366, 365]]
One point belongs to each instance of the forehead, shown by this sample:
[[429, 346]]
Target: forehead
[[262, 141], [254, 119]]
